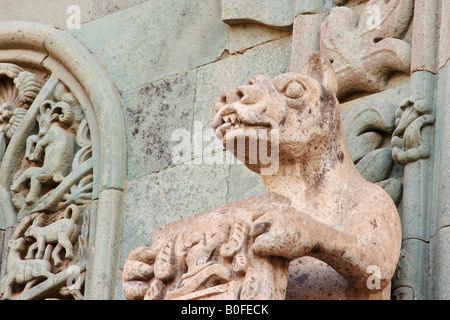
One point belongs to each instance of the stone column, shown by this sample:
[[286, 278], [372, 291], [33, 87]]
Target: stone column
[[412, 280], [440, 208]]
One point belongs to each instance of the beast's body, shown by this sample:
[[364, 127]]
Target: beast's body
[[341, 232]]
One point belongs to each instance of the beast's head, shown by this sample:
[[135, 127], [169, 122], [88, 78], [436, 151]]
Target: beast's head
[[293, 112]]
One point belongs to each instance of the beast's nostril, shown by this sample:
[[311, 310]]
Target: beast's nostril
[[240, 94]]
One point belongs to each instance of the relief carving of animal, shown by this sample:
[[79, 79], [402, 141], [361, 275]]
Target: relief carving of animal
[[20, 271], [62, 232], [54, 143], [341, 233]]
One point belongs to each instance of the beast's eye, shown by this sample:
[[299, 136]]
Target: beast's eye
[[294, 90]]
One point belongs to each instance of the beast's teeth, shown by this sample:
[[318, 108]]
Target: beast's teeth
[[233, 118], [226, 119]]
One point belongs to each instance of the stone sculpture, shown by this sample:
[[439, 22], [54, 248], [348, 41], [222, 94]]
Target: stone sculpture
[[319, 232], [53, 164], [365, 53], [407, 142], [54, 145]]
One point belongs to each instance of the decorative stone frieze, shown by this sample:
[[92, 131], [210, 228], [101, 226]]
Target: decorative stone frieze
[[54, 103]]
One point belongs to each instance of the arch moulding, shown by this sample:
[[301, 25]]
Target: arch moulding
[[45, 73]]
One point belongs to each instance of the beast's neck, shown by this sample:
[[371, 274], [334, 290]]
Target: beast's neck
[[315, 181]]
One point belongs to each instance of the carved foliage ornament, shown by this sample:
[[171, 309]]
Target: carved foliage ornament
[[408, 144], [367, 51], [51, 188]]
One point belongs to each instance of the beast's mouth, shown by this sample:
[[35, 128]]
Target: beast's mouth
[[232, 121]]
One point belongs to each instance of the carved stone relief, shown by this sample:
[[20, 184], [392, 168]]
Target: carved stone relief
[[207, 256], [319, 213], [55, 180], [407, 142], [365, 51], [368, 130], [51, 188], [18, 89]]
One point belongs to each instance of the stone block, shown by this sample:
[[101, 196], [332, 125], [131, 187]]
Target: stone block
[[155, 39], [243, 183], [172, 194], [152, 113], [424, 38], [275, 13], [440, 276], [309, 6], [104, 247], [444, 46], [410, 273], [306, 39], [244, 36], [440, 197], [270, 59], [56, 13]]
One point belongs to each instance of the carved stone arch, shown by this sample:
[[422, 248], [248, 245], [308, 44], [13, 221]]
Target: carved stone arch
[[64, 70]]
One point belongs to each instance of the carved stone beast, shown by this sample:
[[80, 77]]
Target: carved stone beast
[[53, 140], [339, 234], [342, 232]]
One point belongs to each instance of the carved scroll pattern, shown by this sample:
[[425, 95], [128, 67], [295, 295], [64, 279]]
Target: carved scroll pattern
[[209, 257], [407, 142], [367, 51], [368, 131], [51, 188]]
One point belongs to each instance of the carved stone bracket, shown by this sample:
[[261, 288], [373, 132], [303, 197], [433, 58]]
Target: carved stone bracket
[[207, 256]]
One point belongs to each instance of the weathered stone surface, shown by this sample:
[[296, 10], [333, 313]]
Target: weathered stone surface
[[407, 283], [274, 13], [424, 42], [440, 275], [172, 194], [152, 113], [366, 51], [245, 36], [444, 46], [243, 183], [163, 39], [212, 79], [206, 256], [314, 176], [56, 13], [305, 40], [440, 198]]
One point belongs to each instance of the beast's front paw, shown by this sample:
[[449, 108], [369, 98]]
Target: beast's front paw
[[138, 273], [280, 230]]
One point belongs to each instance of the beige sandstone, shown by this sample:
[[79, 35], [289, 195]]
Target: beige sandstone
[[340, 233]]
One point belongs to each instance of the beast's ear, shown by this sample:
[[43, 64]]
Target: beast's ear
[[318, 67]]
